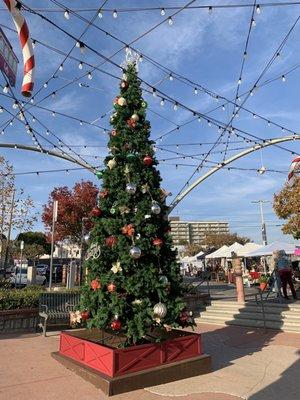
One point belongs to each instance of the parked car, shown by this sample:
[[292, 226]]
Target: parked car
[[19, 278], [41, 268]]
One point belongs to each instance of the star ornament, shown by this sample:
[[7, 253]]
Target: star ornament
[[116, 267]]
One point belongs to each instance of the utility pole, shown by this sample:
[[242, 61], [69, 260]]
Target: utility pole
[[263, 224], [54, 219]]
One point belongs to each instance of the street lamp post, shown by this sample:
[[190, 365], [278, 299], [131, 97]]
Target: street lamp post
[[263, 224], [54, 219], [21, 260]]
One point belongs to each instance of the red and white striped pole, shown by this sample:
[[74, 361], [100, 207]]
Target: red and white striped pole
[[26, 44]]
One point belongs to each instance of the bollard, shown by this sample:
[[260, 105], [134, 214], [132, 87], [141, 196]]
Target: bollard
[[237, 265]]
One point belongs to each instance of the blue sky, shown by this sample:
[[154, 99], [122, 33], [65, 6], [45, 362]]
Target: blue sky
[[205, 48]]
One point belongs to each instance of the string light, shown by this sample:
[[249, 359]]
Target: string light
[[45, 84], [53, 94], [2, 132], [254, 116], [223, 107], [162, 12], [81, 123], [253, 23], [33, 119], [283, 78], [171, 77], [1, 110], [251, 92], [61, 67], [53, 113], [269, 123], [245, 54], [162, 102], [170, 21], [15, 105], [100, 14], [154, 92], [11, 122], [115, 14], [258, 9], [5, 89], [67, 14], [90, 76], [32, 100], [175, 107], [199, 119], [141, 58], [208, 123], [80, 65], [47, 132], [196, 90], [210, 10], [239, 81], [33, 43]]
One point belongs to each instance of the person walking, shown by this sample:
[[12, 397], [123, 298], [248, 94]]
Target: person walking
[[285, 273]]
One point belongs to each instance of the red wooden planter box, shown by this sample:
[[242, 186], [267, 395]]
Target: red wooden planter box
[[115, 362]]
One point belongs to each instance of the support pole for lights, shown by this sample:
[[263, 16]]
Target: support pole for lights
[[54, 219], [21, 260], [263, 224]]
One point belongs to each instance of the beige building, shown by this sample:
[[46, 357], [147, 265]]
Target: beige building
[[194, 231]]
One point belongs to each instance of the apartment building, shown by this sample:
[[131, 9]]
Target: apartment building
[[194, 231]]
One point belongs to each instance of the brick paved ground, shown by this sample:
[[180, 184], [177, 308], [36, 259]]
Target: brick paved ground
[[247, 364]]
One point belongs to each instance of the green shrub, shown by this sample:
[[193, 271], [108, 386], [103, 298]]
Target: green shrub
[[12, 299]]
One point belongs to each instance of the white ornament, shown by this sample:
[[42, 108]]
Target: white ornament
[[124, 77], [137, 301], [93, 252], [112, 163], [130, 188], [160, 310], [135, 117], [155, 208], [116, 267], [122, 101]]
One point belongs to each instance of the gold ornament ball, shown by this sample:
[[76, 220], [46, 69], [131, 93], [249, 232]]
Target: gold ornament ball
[[160, 310], [112, 163], [122, 101]]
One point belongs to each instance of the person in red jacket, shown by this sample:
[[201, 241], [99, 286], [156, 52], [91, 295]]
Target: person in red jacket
[[285, 273]]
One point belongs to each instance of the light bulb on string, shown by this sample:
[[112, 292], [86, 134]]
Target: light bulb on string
[[81, 123], [170, 21], [175, 107], [47, 132], [196, 90], [171, 77], [82, 48], [199, 119], [5, 89], [253, 23], [239, 99], [162, 102], [210, 10], [45, 84], [33, 43], [162, 12], [100, 14], [251, 92], [61, 67], [53, 94], [1, 110], [258, 9], [2, 132], [115, 14], [245, 54], [223, 107], [217, 98], [53, 113], [269, 123], [90, 76], [11, 122], [240, 81], [278, 55], [208, 123], [154, 94], [254, 116], [141, 58], [33, 119], [80, 65], [15, 105], [32, 100], [67, 14], [283, 78]]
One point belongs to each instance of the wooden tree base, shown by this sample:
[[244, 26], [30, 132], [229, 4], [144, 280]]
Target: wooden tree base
[[138, 380]]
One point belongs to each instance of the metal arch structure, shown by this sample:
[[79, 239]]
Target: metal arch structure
[[47, 152], [213, 170]]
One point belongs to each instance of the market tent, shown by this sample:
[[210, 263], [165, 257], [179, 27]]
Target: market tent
[[268, 250], [217, 253], [247, 248], [198, 255], [235, 247]]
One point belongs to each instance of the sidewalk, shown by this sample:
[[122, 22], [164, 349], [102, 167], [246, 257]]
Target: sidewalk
[[247, 364]]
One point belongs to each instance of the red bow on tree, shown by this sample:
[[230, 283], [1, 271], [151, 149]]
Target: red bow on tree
[[95, 284], [128, 230]]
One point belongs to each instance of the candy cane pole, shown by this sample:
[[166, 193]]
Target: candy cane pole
[[26, 44]]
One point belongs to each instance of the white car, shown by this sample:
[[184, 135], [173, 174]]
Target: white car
[[20, 280]]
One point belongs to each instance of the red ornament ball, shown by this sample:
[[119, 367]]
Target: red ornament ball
[[111, 241], [131, 123], [111, 287], [157, 242], [85, 315], [114, 133], [96, 212], [95, 284], [116, 325], [148, 161]]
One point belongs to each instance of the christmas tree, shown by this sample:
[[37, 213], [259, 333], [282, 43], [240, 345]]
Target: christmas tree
[[133, 281]]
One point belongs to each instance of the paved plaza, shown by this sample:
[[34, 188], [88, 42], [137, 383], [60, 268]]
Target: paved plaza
[[247, 364]]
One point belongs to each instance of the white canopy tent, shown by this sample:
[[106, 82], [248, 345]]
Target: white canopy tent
[[268, 250], [235, 247], [247, 248], [218, 253]]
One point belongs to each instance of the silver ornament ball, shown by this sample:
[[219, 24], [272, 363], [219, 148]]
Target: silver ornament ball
[[160, 310], [155, 208], [163, 279], [135, 252], [130, 188], [86, 238]]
